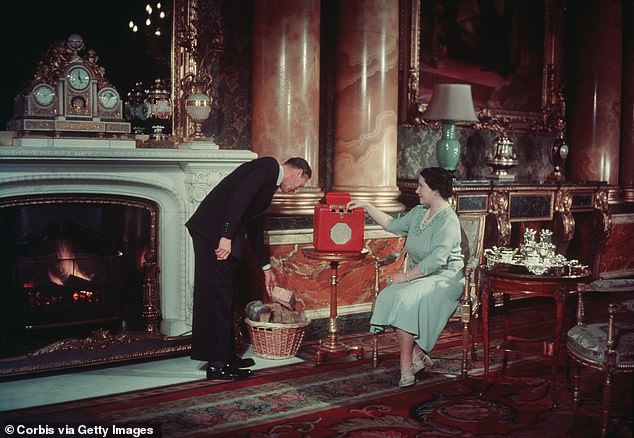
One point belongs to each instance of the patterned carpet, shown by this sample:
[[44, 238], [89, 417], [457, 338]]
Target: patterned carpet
[[349, 398]]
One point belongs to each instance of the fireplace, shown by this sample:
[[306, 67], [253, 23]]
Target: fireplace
[[76, 260], [158, 188]]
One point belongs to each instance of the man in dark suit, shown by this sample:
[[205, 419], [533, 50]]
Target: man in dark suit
[[229, 215]]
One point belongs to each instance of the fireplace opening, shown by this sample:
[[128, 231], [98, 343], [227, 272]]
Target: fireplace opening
[[72, 264]]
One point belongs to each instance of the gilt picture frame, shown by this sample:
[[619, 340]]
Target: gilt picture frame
[[511, 58]]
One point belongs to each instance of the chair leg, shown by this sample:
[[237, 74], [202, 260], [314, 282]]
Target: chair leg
[[466, 335], [474, 338], [375, 350], [576, 390], [607, 390]]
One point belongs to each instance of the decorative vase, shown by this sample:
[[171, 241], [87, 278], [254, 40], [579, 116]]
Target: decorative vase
[[198, 108], [558, 154], [159, 107], [503, 158]]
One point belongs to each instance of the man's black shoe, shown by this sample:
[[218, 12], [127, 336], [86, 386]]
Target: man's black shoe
[[226, 372], [239, 362]]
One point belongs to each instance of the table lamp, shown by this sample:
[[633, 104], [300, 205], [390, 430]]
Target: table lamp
[[450, 103]]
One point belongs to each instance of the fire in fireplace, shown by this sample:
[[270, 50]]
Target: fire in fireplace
[[65, 286], [74, 261]]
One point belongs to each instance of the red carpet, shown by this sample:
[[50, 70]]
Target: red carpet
[[351, 399]]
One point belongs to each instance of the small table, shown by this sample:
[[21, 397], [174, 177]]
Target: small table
[[511, 281], [332, 347]]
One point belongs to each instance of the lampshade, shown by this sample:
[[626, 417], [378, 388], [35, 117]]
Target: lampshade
[[451, 102]]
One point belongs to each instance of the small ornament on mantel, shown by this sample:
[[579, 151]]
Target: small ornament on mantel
[[198, 107], [502, 159]]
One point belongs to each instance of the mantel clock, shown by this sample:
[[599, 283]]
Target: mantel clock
[[69, 93]]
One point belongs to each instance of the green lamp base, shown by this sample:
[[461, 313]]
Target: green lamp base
[[448, 147]]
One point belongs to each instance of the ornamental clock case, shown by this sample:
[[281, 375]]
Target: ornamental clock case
[[69, 95]]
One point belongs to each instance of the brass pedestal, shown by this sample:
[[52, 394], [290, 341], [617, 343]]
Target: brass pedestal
[[331, 346]]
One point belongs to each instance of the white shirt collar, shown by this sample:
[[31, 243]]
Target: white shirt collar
[[280, 176]]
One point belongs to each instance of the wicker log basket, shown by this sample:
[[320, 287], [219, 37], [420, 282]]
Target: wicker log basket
[[276, 329], [272, 340]]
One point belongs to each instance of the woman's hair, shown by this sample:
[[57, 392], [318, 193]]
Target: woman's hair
[[438, 179], [301, 164]]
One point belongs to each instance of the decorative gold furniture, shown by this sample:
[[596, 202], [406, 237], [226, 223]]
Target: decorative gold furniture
[[604, 346], [472, 230], [509, 281], [576, 212], [332, 347]]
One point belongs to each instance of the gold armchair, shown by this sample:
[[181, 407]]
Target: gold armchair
[[472, 230]]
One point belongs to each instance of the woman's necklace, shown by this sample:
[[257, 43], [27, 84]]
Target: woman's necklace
[[430, 214]]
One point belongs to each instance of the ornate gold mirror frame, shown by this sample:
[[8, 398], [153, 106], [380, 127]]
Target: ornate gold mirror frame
[[192, 58], [549, 119], [184, 44]]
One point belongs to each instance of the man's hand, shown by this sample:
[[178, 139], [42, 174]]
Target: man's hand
[[270, 281], [224, 249]]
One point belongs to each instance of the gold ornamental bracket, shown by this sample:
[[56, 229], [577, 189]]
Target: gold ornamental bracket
[[499, 209], [563, 220], [602, 208]]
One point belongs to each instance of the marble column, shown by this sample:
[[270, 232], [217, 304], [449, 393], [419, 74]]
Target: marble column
[[285, 92], [626, 173], [595, 90], [366, 101]]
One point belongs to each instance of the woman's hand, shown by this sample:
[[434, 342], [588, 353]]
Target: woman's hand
[[399, 277], [379, 217], [405, 277], [356, 204]]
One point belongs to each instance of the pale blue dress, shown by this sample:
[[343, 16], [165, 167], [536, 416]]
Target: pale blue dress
[[423, 306]]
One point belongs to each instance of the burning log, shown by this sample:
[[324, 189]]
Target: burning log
[[78, 283], [65, 265]]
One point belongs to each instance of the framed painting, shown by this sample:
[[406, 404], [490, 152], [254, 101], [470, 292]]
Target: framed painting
[[508, 51]]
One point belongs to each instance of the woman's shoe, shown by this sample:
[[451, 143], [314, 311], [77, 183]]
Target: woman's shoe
[[407, 379], [421, 362]]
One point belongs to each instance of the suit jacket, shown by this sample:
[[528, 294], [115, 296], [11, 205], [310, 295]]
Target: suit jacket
[[235, 207]]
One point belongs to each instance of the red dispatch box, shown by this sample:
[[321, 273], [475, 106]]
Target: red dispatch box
[[335, 227]]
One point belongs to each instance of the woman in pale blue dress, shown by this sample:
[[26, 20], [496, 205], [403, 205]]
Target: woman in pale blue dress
[[419, 301]]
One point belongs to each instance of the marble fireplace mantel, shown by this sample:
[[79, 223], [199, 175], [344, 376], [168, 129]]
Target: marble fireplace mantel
[[175, 179]]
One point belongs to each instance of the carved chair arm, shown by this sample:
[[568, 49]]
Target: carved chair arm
[[616, 327], [600, 286], [378, 264]]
